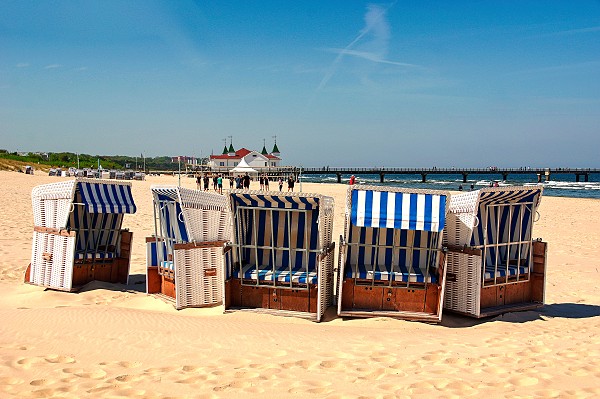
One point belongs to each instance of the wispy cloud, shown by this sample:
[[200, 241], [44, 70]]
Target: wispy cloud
[[22, 65], [376, 35], [52, 66], [83, 68], [369, 56], [557, 68], [570, 32]]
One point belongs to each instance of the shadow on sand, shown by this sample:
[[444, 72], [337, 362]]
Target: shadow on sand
[[555, 310], [137, 283]]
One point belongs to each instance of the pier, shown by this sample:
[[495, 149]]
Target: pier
[[543, 174]]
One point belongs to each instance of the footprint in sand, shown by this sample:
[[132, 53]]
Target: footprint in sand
[[25, 362], [577, 372], [94, 374], [330, 364], [59, 359], [193, 380], [39, 383], [307, 364], [44, 393], [129, 365], [129, 378], [524, 381], [10, 381]]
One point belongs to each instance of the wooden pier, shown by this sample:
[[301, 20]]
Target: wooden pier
[[543, 174]]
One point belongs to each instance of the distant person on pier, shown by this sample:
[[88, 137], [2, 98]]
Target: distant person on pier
[[352, 180]]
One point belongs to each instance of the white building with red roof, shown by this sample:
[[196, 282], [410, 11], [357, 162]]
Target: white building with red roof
[[256, 160]]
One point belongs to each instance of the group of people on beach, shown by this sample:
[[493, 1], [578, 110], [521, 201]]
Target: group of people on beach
[[241, 182]]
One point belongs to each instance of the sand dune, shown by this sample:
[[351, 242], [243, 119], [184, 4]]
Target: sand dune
[[115, 341]]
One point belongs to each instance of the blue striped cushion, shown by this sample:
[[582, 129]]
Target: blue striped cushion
[[167, 264], [490, 272], [381, 273], [98, 255], [282, 275]]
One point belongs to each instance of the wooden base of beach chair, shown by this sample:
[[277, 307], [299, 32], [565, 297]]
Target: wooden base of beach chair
[[302, 300], [28, 274], [418, 303], [114, 271], [510, 295], [157, 284]]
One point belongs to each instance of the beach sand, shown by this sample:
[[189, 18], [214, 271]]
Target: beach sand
[[115, 341]]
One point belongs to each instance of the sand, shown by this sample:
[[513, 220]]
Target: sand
[[115, 341]]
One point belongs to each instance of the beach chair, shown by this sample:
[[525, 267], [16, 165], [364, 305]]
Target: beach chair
[[391, 260], [185, 256], [496, 265], [77, 234], [282, 259]]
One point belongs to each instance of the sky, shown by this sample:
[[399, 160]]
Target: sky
[[339, 83]]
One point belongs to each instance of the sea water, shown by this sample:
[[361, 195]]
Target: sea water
[[560, 185]]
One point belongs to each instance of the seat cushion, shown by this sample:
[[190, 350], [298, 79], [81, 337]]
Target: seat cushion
[[491, 272], [282, 274], [80, 255], [382, 273]]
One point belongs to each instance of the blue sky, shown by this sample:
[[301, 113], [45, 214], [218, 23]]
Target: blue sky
[[340, 83]]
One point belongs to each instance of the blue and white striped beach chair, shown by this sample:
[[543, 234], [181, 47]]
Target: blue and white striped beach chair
[[498, 266], [282, 260], [185, 256], [391, 261], [77, 234]]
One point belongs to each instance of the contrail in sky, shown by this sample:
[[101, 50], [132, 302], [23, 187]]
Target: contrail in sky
[[374, 22]]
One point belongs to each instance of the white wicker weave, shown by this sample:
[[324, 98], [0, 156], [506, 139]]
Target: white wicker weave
[[53, 254], [464, 284], [199, 277], [206, 217]]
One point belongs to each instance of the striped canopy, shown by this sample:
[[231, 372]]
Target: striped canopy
[[106, 198], [275, 201], [408, 211]]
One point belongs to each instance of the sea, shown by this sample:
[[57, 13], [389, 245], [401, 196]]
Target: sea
[[560, 185]]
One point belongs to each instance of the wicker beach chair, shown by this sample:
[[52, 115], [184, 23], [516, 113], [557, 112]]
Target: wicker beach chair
[[496, 265], [77, 234], [282, 257], [391, 261], [185, 257]]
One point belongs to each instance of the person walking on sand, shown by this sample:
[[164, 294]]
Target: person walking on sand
[[198, 182], [266, 183], [290, 184], [261, 181], [215, 177], [231, 182], [280, 182], [220, 184], [206, 182], [352, 180]]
